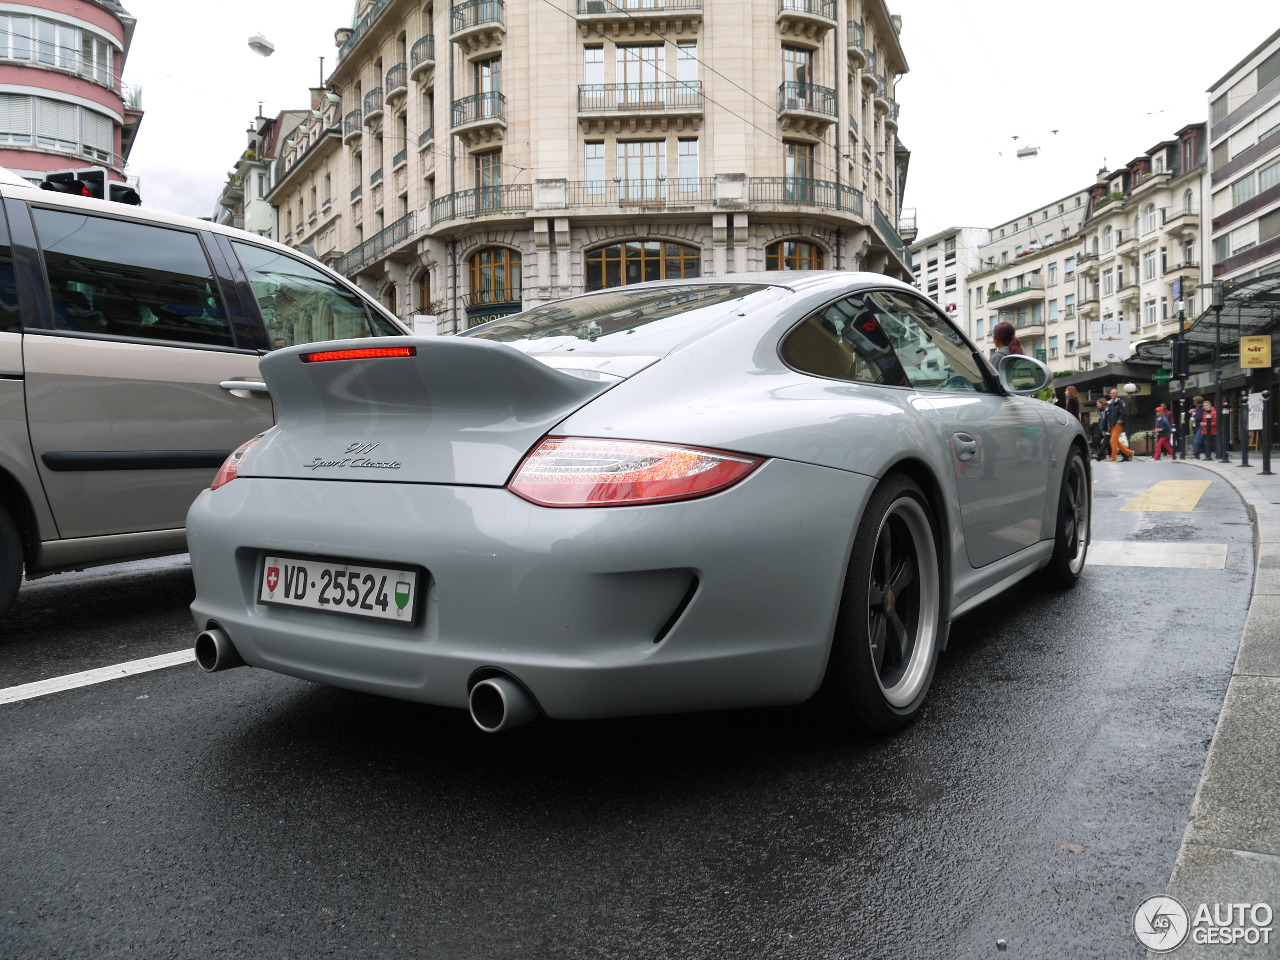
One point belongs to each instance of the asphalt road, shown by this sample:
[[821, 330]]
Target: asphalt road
[[1039, 799]]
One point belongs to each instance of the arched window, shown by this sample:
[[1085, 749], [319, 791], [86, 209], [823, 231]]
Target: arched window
[[793, 255], [638, 260], [391, 299], [1106, 238], [1186, 202], [1148, 217], [424, 292], [495, 276]]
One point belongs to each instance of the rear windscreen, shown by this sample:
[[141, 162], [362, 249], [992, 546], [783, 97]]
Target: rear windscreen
[[648, 322]]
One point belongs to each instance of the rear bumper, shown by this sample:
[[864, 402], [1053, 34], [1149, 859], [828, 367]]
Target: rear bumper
[[570, 602]]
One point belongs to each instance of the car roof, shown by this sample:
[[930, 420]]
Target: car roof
[[68, 201]]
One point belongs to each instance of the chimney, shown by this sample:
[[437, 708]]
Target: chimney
[[897, 22]]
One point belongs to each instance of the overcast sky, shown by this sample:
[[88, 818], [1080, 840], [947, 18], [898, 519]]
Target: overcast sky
[[1113, 77]]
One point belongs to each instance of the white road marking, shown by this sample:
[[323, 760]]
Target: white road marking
[[42, 688], [1129, 553]]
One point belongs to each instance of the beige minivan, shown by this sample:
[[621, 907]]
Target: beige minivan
[[129, 346]]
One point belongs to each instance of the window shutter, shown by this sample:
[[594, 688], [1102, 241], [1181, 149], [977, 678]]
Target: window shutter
[[15, 115], [98, 131], [57, 121]]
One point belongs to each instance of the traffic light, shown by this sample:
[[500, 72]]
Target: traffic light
[[1179, 354], [90, 182]]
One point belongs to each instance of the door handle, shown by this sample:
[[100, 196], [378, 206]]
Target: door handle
[[243, 388], [965, 446]]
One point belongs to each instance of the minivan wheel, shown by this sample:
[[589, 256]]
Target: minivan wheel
[[885, 646], [10, 560]]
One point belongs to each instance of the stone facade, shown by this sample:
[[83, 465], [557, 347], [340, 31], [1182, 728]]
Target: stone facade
[[466, 136]]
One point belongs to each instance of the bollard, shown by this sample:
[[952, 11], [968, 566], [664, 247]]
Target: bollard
[[1244, 423], [1266, 433], [1223, 413]]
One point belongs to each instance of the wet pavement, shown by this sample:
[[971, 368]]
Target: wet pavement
[[1041, 796]]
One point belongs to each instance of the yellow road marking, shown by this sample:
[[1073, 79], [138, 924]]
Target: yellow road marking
[[1180, 496]]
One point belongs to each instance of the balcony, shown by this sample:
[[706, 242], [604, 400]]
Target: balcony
[[869, 74], [677, 193], [372, 105], [1031, 291], [422, 56], [857, 45], [806, 192], [400, 159], [1129, 293], [397, 81], [1127, 244], [381, 243], [890, 238], [479, 26], [807, 20], [497, 201], [1089, 308], [362, 28], [611, 18], [426, 138], [1181, 222], [611, 107], [1187, 266], [882, 98], [375, 177], [480, 119], [355, 194], [352, 126], [806, 107]]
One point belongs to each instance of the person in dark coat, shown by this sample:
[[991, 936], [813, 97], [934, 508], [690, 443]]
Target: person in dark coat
[[1164, 433], [1073, 402]]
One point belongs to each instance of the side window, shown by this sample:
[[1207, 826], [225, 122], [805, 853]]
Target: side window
[[301, 305], [10, 317], [933, 355], [844, 341], [126, 279]]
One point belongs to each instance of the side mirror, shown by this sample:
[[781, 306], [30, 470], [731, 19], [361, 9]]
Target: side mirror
[[1023, 375]]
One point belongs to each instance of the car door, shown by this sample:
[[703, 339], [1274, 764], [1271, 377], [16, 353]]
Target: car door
[[997, 443], [130, 370]]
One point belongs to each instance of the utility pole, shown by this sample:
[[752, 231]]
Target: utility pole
[[1217, 367]]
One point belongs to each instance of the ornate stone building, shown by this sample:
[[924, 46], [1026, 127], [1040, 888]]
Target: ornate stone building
[[476, 159]]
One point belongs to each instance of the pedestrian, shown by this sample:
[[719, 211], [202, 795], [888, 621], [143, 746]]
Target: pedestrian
[[1209, 424], [1006, 340], [1073, 402], [1197, 437], [1117, 414], [1101, 446], [1164, 433]]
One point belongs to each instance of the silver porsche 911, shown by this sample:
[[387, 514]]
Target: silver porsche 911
[[686, 495]]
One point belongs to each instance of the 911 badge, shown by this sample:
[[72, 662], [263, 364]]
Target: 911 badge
[[354, 457]]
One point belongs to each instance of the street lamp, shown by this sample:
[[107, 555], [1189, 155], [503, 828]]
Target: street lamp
[[1217, 366], [261, 45]]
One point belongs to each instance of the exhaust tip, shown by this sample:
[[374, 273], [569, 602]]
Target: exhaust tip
[[499, 703], [214, 651]]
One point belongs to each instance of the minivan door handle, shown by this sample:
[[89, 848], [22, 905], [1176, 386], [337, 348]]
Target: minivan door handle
[[244, 388], [965, 446]]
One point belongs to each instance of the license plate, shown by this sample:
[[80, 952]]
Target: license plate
[[335, 586]]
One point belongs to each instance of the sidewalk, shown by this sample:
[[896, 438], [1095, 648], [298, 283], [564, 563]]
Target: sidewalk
[[1231, 848]]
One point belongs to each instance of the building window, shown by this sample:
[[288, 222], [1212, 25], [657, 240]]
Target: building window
[[797, 69], [979, 328], [593, 167], [1242, 190], [1053, 274], [1053, 311], [793, 255], [642, 170], [1108, 282], [1106, 238], [593, 65], [495, 276], [424, 292], [797, 165], [1071, 344], [1149, 312], [1268, 177], [640, 69], [1069, 304], [636, 261], [1149, 218], [391, 299], [687, 62], [1069, 268], [949, 247], [1149, 265], [488, 179], [688, 150], [1053, 348]]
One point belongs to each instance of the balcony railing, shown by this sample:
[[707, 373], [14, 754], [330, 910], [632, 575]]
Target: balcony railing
[[351, 123], [588, 8], [426, 136], [795, 95], [355, 194], [475, 13], [423, 54], [674, 192], [480, 106], [399, 158], [397, 78], [375, 176], [1185, 265], [375, 246], [486, 298], [482, 201], [819, 8], [362, 27], [805, 191], [639, 97], [373, 103]]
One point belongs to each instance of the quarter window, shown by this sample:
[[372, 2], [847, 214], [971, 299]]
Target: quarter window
[[302, 305], [114, 278]]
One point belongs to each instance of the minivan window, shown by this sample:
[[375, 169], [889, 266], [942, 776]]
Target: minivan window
[[10, 317], [629, 322], [301, 305], [123, 279]]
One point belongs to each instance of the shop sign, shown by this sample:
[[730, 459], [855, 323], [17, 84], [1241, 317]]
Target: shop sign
[[490, 311], [1109, 341], [1255, 351]]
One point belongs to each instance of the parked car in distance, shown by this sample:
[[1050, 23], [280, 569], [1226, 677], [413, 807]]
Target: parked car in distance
[[686, 495], [129, 349]]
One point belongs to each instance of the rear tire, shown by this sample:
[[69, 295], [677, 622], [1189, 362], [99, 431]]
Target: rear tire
[[1071, 528], [885, 646], [10, 560]]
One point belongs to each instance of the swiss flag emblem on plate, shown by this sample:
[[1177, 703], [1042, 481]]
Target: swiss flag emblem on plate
[[273, 578]]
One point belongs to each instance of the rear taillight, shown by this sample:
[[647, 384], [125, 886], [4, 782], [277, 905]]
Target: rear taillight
[[359, 353], [579, 472], [231, 468]]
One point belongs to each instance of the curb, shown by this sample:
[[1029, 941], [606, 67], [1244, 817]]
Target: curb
[[1230, 851]]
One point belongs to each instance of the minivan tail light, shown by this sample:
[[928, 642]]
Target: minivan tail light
[[359, 353], [584, 472], [230, 469]]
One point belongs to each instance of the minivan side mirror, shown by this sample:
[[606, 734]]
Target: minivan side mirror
[[1023, 375]]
